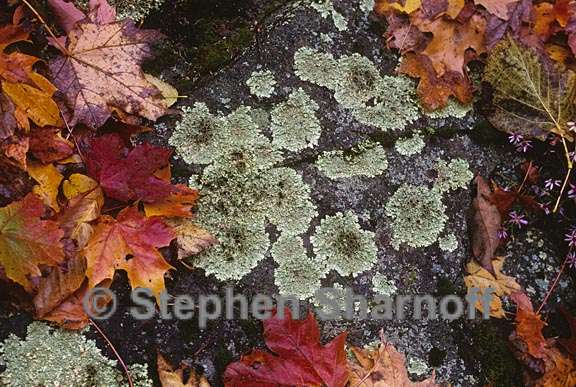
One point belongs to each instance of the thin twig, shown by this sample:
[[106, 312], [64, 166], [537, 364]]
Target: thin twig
[[120, 360], [528, 170], [549, 293], [45, 25], [570, 165]]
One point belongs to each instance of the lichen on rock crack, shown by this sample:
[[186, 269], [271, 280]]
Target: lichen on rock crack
[[368, 159]]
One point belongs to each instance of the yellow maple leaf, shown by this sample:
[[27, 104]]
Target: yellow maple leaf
[[501, 284], [48, 178], [383, 6]]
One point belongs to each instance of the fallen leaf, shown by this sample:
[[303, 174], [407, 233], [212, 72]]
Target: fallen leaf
[[170, 377], [544, 19], [100, 69], [531, 97], [383, 6], [60, 284], [190, 238], [168, 91], [454, 8], [500, 8], [129, 174], [503, 285], [70, 314], [570, 343], [129, 243], [26, 241], [382, 367], [434, 91], [48, 178], [85, 201], [298, 357], [8, 123], [529, 325], [560, 371], [448, 49], [487, 222], [48, 146], [36, 103], [177, 204]]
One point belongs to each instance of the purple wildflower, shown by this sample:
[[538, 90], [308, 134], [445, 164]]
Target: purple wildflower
[[524, 146], [571, 238], [551, 183], [502, 234], [571, 260], [517, 219], [515, 138]]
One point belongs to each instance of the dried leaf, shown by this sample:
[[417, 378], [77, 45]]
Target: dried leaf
[[409, 6], [482, 279], [190, 238], [48, 178], [26, 241], [60, 284], [451, 41], [85, 201], [529, 325], [454, 8], [298, 358], [100, 69], [36, 103], [48, 146], [170, 377], [500, 8], [129, 243], [168, 91], [487, 222], [531, 97], [434, 91], [383, 367]]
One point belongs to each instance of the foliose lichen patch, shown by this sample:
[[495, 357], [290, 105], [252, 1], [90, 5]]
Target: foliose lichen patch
[[294, 122], [55, 357], [262, 83], [327, 10], [410, 146], [382, 285], [343, 245], [384, 102]]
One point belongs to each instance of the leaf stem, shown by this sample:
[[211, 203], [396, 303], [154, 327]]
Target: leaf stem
[[45, 25], [120, 360], [549, 293], [570, 165]]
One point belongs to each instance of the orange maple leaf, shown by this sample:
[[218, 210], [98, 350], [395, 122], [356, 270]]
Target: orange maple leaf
[[129, 243]]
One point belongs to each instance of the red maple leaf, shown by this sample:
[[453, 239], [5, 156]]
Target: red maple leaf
[[126, 174], [299, 359]]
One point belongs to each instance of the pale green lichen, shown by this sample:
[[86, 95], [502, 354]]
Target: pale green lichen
[[410, 146], [262, 83], [453, 175], [201, 137], [367, 159], [297, 275], [382, 285], [136, 10], [448, 243], [326, 10], [454, 109], [243, 190], [417, 366], [343, 245], [367, 6], [54, 357], [417, 214], [382, 101], [294, 122]]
